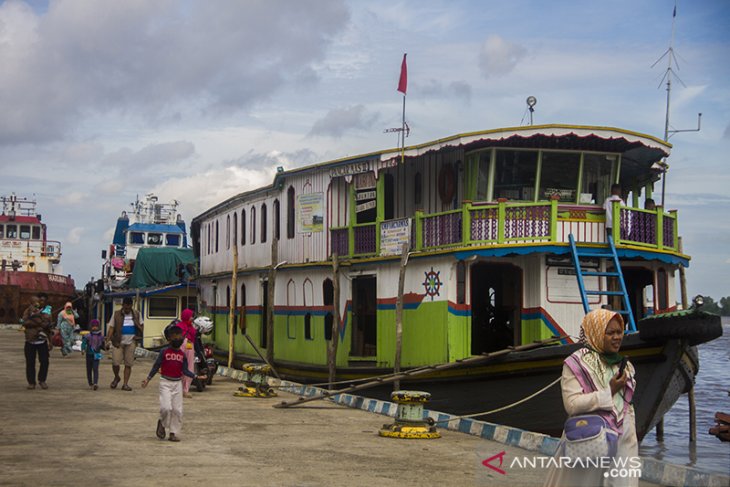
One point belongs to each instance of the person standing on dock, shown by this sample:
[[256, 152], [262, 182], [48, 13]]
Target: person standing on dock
[[188, 347], [66, 323], [593, 383], [121, 331], [37, 328]]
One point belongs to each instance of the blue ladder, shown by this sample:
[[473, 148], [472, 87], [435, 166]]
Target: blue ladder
[[601, 253]]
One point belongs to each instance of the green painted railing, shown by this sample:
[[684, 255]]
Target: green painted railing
[[505, 223]]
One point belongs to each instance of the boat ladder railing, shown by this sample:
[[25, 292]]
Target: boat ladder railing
[[608, 252]]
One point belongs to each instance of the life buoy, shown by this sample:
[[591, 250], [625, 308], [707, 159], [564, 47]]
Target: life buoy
[[446, 183]]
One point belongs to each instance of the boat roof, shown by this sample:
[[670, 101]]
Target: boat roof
[[154, 227], [641, 148], [19, 219]]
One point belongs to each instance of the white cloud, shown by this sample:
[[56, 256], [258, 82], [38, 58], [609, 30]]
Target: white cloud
[[498, 56], [71, 198], [74, 235], [340, 120]]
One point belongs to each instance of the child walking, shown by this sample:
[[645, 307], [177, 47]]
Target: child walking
[[172, 364], [92, 344]]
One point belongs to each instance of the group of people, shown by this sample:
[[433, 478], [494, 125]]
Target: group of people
[[175, 362]]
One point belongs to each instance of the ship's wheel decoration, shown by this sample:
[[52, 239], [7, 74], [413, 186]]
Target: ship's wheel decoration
[[432, 283]]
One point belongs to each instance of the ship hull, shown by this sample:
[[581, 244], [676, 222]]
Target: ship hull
[[17, 288], [664, 371]]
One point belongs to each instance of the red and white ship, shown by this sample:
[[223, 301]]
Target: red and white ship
[[29, 262]]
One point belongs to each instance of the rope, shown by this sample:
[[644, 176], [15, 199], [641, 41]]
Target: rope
[[517, 403]]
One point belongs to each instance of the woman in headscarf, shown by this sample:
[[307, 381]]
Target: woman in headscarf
[[591, 385], [188, 347], [66, 323]]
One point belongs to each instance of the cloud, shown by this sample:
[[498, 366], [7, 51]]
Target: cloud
[[457, 89], [726, 134], [150, 156], [74, 235], [499, 56], [339, 120], [159, 61], [71, 198]]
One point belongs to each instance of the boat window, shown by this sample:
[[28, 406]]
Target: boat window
[[36, 232], [154, 239], [25, 232], [235, 228], [515, 175], [190, 302], [162, 307], [308, 327], [228, 231], [559, 175], [2, 231], [597, 180], [485, 161], [243, 227], [216, 236], [277, 220], [263, 223], [291, 326], [172, 240], [264, 332], [253, 224], [290, 212], [328, 298], [242, 313], [11, 231], [136, 238]]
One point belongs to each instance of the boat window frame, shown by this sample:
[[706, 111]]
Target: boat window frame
[[24, 228], [151, 305], [175, 236], [14, 234], [149, 235], [36, 230], [2, 230]]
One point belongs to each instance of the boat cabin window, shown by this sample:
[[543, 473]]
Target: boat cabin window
[[154, 239], [559, 175], [597, 178], [36, 233], [162, 307], [172, 240], [485, 162], [11, 231], [25, 232], [515, 175], [2, 231], [136, 238], [189, 302]]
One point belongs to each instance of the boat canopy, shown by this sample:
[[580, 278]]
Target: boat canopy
[[156, 267]]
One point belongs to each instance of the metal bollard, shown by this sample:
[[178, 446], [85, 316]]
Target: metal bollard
[[257, 384], [409, 421]]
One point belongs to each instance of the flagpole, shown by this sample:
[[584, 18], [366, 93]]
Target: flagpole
[[403, 133]]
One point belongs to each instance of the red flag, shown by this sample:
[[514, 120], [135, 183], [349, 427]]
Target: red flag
[[403, 82]]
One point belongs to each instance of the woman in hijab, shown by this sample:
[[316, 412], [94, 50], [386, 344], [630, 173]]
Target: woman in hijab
[[188, 347], [591, 385], [66, 323]]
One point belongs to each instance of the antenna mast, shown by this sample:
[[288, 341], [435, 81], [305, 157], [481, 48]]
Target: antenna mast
[[669, 53]]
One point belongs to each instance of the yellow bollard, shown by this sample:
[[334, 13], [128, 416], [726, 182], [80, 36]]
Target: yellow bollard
[[257, 384], [409, 421]]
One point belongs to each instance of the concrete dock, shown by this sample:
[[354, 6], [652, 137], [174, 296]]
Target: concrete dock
[[70, 435]]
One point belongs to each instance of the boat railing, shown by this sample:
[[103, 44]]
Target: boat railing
[[51, 250], [512, 223]]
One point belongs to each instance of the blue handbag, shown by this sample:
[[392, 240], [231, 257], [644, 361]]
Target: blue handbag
[[588, 436]]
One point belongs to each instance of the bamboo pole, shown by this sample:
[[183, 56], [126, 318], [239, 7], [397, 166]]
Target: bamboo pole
[[387, 379], [232, 303], [270, 308], [691, 393], [332, 348], [261, 356], [399, 315]]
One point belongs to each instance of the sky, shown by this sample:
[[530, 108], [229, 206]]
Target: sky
[[198, 101]]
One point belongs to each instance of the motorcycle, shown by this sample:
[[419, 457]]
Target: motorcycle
[[205, 363]]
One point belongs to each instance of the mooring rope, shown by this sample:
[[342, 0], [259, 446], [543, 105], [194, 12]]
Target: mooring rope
[[517, 403]]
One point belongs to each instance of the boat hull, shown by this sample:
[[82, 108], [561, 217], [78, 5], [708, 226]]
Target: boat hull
[[17, 288], [664, 371]]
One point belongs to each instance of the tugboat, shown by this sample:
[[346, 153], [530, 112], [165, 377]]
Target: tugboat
[[30, 262], [149, 260], [442, 252]]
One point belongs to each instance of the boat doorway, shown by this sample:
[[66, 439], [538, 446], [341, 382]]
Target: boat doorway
[[639, 285], [364, 317], [496, 297]]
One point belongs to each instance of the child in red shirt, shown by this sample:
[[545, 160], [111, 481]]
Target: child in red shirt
[[172, 364]]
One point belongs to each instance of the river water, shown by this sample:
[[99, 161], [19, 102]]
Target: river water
[[712, 394]]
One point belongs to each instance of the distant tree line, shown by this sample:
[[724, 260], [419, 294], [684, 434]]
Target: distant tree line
[[720, 308]]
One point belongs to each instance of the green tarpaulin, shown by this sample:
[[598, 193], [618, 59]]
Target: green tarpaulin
[[158, 267]]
